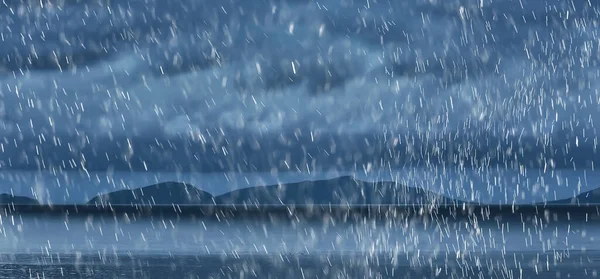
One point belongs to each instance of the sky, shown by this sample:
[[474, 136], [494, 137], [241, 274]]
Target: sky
[[260, 85]]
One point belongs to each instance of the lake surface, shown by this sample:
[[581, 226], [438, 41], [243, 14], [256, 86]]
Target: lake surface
[[489, 185], [514, 265], [192, 235], [184, 247]]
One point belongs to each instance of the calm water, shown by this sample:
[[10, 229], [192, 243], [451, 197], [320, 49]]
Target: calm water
[[514, 265], [190, 235], [188, 247]]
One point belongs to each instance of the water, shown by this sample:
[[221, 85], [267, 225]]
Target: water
[[184, 247], [514, 265], [178, 234]]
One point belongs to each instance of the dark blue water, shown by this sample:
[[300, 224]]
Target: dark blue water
[[513, 265]]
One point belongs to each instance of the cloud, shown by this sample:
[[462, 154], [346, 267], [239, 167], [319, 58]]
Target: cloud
[[265, 67]]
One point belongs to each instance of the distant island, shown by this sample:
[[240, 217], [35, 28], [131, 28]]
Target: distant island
[[586, 198], [8, 199], [344, 190], [165, 193], [338, 191]]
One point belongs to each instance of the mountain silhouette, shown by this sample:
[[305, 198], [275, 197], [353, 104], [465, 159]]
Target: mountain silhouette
[[17, 200], [586, 198], [165, 193], [338, 191]]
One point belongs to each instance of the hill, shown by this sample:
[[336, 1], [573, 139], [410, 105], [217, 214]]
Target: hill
[[17, 200], [165, 193], [338, 191], [586, 198]]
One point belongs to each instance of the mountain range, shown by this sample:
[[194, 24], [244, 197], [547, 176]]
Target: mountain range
[[157, 194], [20, 200], [586, 198], [339, 191], [344, 190]]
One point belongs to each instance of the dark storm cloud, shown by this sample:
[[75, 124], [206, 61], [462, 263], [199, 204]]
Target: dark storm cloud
[[301, 153], [163, 73]]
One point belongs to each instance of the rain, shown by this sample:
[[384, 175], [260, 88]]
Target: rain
[[299, 139]]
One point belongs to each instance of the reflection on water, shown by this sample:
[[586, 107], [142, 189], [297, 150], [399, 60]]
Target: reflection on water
[[494, 265], [187, 235], [126, 246]]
